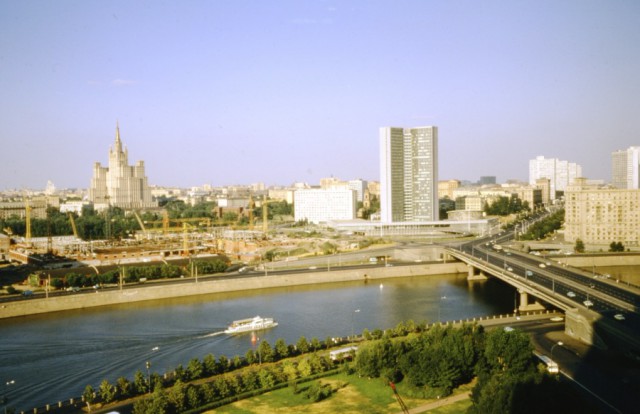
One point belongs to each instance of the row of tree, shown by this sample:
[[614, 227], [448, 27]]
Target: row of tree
[[541, 228], [504, 206], [262, 368], [134, 274]]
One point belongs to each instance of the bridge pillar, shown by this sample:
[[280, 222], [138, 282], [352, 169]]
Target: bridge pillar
[[475, 276], [525, 306]]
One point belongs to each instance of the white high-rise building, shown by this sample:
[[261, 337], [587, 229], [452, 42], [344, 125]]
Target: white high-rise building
[[560, 173], [119, 184], [409, 174], [625, 168]]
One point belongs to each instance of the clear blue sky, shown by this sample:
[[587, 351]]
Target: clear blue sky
[[236, 92]]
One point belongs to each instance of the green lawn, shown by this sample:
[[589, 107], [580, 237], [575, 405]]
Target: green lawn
[[353, 395]]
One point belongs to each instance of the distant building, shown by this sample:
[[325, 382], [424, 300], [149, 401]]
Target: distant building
[[359, 186], [544, 185], [602, 215], [119, 184], [560, 173], [409, 174], [446, 188], [487, 180], [625, 168], [38, 206], [324, 205]]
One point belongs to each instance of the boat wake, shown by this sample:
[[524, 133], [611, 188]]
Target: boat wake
[[209, 335]]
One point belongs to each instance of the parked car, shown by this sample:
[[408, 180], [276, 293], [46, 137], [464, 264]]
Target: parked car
[[27, 293]]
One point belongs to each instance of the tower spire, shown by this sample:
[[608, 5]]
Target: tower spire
[[118, 147]]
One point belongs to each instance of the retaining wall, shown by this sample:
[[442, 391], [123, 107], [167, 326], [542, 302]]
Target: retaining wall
[[165, 291]]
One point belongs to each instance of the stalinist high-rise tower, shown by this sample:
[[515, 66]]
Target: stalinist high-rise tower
[[119, 184]]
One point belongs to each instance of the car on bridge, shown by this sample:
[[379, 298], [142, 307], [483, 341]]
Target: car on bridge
[[571, 294], [588, 303]]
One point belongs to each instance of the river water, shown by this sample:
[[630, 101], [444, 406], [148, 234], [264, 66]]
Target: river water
[[53, 357]]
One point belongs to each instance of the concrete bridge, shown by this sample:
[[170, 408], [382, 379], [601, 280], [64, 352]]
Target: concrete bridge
[[598, 310]]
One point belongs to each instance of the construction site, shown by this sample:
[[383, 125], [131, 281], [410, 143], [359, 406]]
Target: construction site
[[162, 240]]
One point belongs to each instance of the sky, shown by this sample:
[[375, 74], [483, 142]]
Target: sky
[[240, 92]]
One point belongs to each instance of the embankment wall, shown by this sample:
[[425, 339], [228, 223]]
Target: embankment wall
[[165, 291]]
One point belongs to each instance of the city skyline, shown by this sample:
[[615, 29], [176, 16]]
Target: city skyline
[[227, 93]]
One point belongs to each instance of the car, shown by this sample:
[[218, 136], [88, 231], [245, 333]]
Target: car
[[619, 316], [73, 289], [588, 303], [27, 293], [510, 269], [571, 294], [542, 265]]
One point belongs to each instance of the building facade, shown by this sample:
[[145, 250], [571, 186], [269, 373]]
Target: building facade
[[323, 205], [409, 174], [119, 184], [625, 168], [560, 173], [601, 215]]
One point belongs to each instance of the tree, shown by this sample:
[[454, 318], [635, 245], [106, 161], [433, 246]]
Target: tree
[[107, 391], [281, 349], [265, 353], [156, 404], [88, 396], [209, 362], [616, 247], [177, 396], [302, 345], [195, 369], [123, 387], [579, 246], [140, 383]]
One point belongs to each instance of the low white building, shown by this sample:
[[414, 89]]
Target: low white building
[[323, 205]]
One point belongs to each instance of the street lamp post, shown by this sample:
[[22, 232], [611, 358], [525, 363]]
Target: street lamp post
[[148, 365], [5, 399], [554, 345], [352, 322]]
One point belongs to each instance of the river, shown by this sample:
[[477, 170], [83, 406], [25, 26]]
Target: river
[[53, 357]]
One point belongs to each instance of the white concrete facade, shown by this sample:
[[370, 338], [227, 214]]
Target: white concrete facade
[[324, 205], [560, 173], [625, 168]]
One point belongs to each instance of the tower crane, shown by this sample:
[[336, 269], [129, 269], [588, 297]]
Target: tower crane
[[27, 208], [73, 225]]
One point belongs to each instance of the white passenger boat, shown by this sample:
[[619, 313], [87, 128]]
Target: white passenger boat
[[250, 325]]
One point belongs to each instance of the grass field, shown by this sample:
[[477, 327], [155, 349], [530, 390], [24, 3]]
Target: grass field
[[353, 395]]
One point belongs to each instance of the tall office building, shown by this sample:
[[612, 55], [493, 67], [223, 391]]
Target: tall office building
[[560, 173], [119, 184], [625, 168], [408, 174]]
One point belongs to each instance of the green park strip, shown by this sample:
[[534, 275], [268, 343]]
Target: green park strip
[[353, 394]]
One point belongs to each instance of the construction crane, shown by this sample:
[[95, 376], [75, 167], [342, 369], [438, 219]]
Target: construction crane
[[140, 222], [405, 410], [73, 226], [27, 209], [265, 222]]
